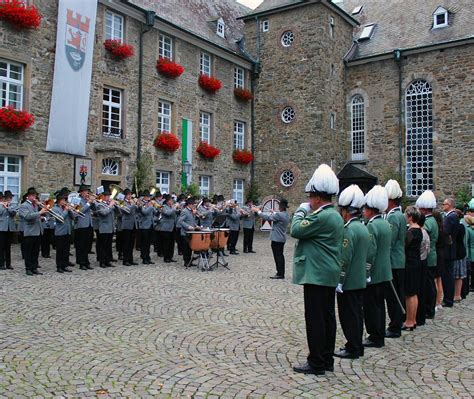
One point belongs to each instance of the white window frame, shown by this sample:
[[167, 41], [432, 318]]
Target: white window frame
[[357, 10], [5, 175], [7, 83], [113, 32], [220, 28], [440, 11], [165, 47], [332, 121], [239, 135], [358, 128], [163, 175], [205, 119], [238, 191], [205, 185], [239, 78], [331, 26], [165, 116], [205, 64], [107, 123], [265, 25], [367, 32]]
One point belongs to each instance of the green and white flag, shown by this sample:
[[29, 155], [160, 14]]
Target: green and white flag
[[186, 150]]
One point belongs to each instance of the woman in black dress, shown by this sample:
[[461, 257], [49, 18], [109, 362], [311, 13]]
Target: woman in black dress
[[440, 251], [412, 266]]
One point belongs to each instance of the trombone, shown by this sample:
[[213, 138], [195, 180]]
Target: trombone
[[48, 204]]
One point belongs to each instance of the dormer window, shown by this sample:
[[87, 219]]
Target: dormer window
[[357, 10], [220, 28], [367, 32], [440, 18]]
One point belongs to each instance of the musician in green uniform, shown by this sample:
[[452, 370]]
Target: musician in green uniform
[[319, 230], [376, 202], [398, 225], [351, 287]]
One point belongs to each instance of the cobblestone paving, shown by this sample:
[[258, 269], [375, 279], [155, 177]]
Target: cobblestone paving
[[163, 331]]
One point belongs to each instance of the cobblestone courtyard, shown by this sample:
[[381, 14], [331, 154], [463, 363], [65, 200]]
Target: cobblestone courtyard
[[163, 331]]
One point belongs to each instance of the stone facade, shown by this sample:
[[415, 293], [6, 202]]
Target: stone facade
[[47, 171]]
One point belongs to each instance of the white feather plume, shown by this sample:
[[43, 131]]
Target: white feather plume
[[323, 180], [393, 189], [352, 196], [377, 198], [426, 200]]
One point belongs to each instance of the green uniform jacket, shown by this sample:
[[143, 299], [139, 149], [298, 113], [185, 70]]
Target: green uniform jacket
[[433, 231], [354, 255], [470, 247], [318, 250], [398, 224], [380, 231]]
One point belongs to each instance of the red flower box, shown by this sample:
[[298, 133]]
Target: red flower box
[[14, 120], [207, 151], [169, 68], [243, 94], [210, 83], [118, 49], [18, 14], [167, 141], [242, 156]]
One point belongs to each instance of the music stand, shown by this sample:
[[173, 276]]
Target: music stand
[[218, 222]]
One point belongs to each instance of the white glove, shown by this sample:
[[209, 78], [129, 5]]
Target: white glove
[[369, 279], [305, 206], [339, 288]]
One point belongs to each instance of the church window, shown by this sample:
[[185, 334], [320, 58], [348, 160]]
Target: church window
[[288, 115], [287, 38], [440, 18], [287, 178], [419, 137], [358, 127]]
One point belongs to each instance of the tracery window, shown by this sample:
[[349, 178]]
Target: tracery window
[[287, 38], [110, 166], [288, 114], [358, 127]]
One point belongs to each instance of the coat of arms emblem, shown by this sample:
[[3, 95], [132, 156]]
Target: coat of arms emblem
[[77, 33]]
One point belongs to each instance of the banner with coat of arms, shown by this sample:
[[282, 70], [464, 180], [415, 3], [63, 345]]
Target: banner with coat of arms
[[69, 113]]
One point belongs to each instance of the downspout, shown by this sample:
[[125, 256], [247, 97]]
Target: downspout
[[398, 59], [255, 73], [149, 22]]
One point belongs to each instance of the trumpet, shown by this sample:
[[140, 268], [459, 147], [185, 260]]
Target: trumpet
[[48, 205]]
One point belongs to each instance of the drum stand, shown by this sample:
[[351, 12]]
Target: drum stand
[[220, 258], [203, 261]]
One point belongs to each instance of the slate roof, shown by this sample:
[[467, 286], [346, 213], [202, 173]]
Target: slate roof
[[197, 16], [404, 24], [270, 4]]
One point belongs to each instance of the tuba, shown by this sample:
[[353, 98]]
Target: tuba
[[115, 192]]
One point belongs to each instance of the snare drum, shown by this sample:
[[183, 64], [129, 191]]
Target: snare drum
[[199, 240], [220, 238]]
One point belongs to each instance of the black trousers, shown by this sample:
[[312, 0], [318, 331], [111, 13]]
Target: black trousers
[[167, 243], [430, 293], [31, 247], [232, 241], [158, 242], [467, 281], [47, 239], [277, 249], [448, 283], [179, 240], [119, 241], [145, 243], [351, 317], [320, 325], [248, 239], [374, 312], [186, 249], [21, 239], [63, 244], [104, 247], [128, 243], [394, 311], [82, 242], [97, 244], [5, 248]]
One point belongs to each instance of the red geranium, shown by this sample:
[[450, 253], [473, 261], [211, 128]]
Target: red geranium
[[243, 94], [18, 14], [207, 151], [210, 83], [14, 120], [169, 68], [118, 49], [242, 156], [167, 141]]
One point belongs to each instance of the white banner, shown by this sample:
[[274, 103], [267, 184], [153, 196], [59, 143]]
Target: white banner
[[67, 131]]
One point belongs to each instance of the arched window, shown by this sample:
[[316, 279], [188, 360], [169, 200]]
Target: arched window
[[419, 137], [110, 166], [358, 127]]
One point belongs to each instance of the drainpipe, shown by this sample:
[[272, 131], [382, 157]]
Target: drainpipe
[[397, 54], [255, 73], [149, 22]]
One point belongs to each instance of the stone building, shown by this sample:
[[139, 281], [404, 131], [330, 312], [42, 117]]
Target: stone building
[[375, 89], [201, 36]]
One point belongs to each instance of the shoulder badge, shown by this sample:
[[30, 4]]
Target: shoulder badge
[[305, 223], [345, 243]]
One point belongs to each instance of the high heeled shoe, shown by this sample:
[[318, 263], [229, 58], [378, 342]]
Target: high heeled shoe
[[406, 328]]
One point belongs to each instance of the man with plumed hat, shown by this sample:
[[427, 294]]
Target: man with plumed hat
[[31, 214], [83, 230], [62, 233], [352, 283], [398, 226], [319, 228], [426, 202], [7, 227], [376, 202]]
